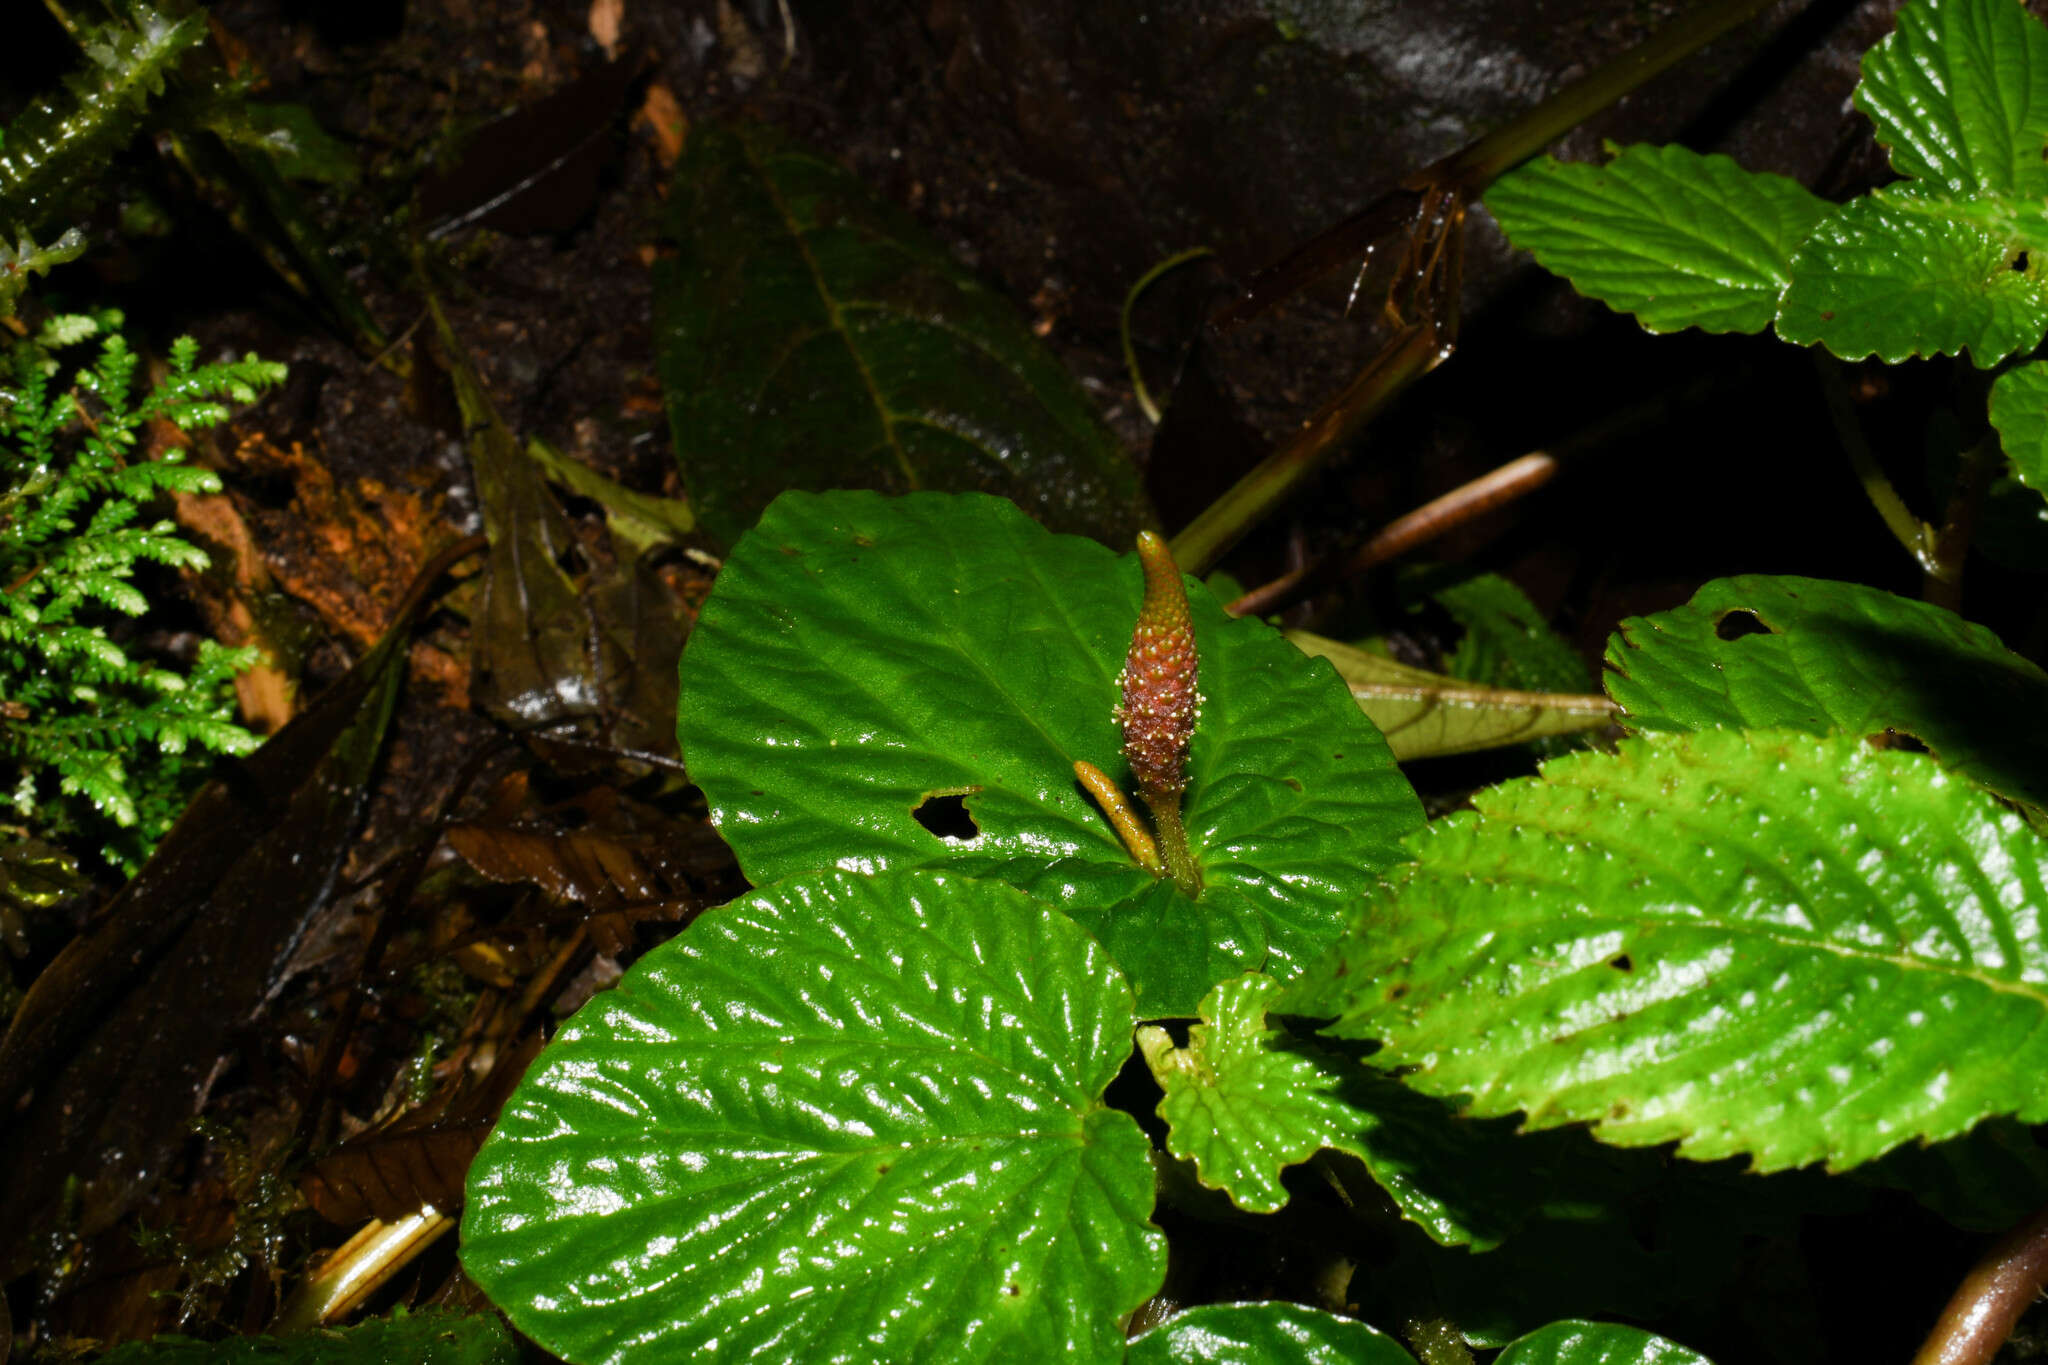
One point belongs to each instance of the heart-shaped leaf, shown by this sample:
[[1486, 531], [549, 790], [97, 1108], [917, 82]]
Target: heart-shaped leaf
[[864, 659], [843, 1118]]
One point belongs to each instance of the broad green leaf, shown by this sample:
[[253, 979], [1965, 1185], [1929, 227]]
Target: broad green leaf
[[863, 656], [1424, 714], [844, 1118], [1264, 1334], [1678, 239], [1507, 643], [2019, 409], [1762, 943], [1760, 652], [1596, 1343], [1959, 94], [1902, 274], [811, 336]]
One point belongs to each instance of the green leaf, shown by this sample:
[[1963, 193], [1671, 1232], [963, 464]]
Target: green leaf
[[811, 336], [1507, 642], [1264, 1334], [1424, 714], [842, 1118], [1771, 944], [1900, 274], [1676, 238], [2019, 409], [1760, 652], [862, 656], [1596, 1343], [1959, 94]]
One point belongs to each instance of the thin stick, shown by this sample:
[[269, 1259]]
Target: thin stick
[[1943, 585], [1435, 517], [1146, 404], [1989, 1301]]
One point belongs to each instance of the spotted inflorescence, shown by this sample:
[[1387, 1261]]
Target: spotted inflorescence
[[1160, 700]]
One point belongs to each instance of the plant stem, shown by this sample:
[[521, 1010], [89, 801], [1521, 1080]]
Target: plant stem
[[1146, 404], [1943, 585], [1407, 356], [1173, 843], [1989, 1301], [1914, 534], [1122, 818]]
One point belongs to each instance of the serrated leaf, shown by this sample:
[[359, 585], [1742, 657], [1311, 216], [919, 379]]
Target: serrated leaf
[[2019, 410], [1676, 238], [862, 656], [1596, 1343], [1425, 715], [1244, 1100], [1836, 657], [1264, 1334], [1901, 274], [811, 336], [1959, 94], [1763, 943], [844, 1118], [1507, 643]]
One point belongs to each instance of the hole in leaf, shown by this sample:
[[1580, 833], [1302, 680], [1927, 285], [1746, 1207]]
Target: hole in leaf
[[1895, 739], [1012, 1290], [2019, 260], [945, 815], [1397, 990], [1736, 624], [1622, 962], [1293, 782]]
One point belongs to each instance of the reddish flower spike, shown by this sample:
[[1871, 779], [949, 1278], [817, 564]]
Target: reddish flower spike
[[1160, 703]]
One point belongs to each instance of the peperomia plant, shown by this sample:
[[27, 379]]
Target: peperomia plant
[[873, 1110]]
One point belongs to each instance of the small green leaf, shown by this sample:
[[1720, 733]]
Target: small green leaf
[[1760, 652], [1596, 1343], [2019, 409], [1676, 238], [843, 1118], [1959, 94], [812, 336], [1900, 274], [1264, 1334], [863, 659], [1507, 642], [1795, 948]]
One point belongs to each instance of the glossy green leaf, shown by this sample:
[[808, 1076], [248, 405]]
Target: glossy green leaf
[[862, 656], [1902, 274], [1676, 238], [1959, 94], [2019, 409], [1762, 943], [1244, 1100], [1596, 1343], [1425, 715], [844, 1118], [1760, 652], [1264, 1334], [811, 336]]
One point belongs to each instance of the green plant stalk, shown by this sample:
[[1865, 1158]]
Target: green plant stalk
[[1915, 535], [1274, 479], [1173, 842], [1146, 404]]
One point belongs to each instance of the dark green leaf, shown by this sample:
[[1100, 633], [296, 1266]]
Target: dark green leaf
[[1901, 274], [2019, 409], [1760, 652], [1959, 94], [811, 336], [1676, 238], [863, 655], [1761, 943], [1264, 1334], [843, 1118], [1596, 1343]]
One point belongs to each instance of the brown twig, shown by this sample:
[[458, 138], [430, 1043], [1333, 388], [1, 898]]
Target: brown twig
[[1404, 533], [1989, 1301]]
